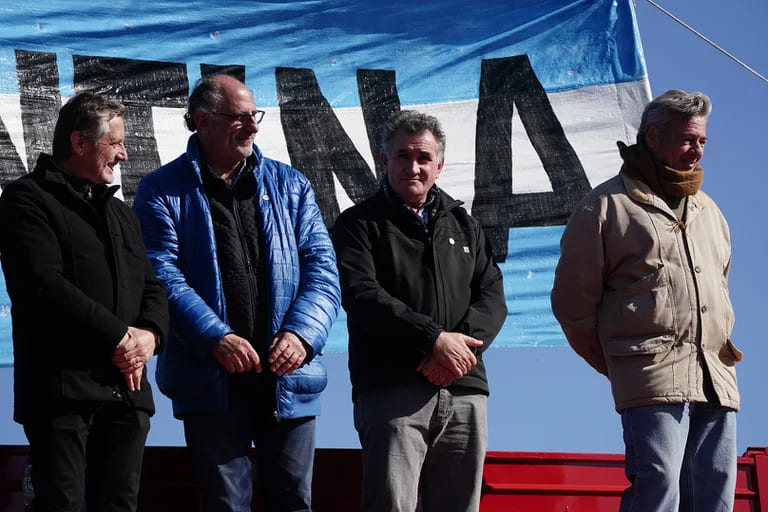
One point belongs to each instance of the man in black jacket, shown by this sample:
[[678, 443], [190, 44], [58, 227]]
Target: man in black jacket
[[87, 313], [424, 299]]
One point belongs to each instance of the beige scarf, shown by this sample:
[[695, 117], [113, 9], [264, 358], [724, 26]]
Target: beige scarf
[[669, 183]]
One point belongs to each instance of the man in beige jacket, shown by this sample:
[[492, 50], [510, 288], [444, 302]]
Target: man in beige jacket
[[641, 292]]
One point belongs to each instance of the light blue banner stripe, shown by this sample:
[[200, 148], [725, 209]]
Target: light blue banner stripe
[[434, 47], [529, 272]]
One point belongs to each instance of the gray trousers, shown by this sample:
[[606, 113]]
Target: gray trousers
[[420, 438]]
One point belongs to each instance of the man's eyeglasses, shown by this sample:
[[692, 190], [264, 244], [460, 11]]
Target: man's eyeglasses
[[244, 117]]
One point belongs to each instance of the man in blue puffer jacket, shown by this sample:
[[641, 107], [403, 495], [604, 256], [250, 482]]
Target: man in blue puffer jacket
[[239, 243]]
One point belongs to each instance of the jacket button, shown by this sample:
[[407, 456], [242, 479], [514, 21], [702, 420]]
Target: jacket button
[[703, 309], [697, 269], [116, 394]]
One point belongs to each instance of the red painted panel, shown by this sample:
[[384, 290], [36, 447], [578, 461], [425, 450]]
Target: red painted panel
[[512, 481], [574, 482]]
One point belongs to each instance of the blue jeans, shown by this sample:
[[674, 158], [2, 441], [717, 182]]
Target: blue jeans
[[679, 457], [418, 438], [220, 444]]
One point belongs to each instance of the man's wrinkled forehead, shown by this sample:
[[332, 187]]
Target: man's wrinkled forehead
[[681, 126]]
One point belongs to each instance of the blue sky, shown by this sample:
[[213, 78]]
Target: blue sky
[[547, 399]]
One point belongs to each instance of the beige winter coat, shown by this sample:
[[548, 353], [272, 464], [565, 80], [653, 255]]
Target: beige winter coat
[[643, 300]]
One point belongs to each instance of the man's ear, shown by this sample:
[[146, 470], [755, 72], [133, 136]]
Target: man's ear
[[201, 120], [383, 159], [651, 136], [77, 142]]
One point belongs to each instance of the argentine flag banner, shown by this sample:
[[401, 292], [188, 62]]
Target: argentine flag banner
[[532, 95]]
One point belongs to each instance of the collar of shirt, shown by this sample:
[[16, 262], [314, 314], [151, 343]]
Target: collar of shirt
[[423, 212], [229, 180]]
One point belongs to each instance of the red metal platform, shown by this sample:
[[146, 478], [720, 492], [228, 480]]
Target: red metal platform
[[578, 482], [512, 481]]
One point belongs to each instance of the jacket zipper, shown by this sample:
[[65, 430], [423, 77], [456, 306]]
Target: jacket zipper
[[267, 300], [252, 287], [439, 286]]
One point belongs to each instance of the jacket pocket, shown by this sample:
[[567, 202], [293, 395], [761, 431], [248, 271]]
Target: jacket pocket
[[298, 393], [641, 368], [99, 384], [637, 347], [456, 240], [307, 379], [642, 310]]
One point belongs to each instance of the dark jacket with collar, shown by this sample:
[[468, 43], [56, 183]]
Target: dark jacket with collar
[[403, 281], [77, 275]]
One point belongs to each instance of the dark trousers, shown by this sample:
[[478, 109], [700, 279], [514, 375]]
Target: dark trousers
[[87, 453]]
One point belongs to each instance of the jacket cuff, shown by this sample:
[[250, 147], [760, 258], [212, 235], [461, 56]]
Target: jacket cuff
[[432, 332], [204, 345], [114, 333]]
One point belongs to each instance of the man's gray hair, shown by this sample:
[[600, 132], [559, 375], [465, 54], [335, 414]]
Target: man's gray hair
[[413, 123], [674, 101], [85, 112], [205, 97]]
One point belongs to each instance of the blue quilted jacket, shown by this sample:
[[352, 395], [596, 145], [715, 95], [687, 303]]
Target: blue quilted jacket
[[302, 286]]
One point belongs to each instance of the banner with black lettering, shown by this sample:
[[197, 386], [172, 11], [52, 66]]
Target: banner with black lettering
[[532, 95]]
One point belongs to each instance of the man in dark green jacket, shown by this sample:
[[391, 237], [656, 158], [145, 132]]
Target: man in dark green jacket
[[424, 299], [87, 311]]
